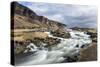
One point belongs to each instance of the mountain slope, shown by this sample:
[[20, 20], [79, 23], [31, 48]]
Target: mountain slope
[[25, 18]]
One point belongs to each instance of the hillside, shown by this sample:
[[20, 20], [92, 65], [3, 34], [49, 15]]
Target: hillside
[[25, 18]]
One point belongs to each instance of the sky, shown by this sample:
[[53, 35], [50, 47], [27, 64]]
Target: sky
[[72, 15]]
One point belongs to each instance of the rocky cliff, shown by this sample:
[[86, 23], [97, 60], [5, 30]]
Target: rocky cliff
[[25, 18]]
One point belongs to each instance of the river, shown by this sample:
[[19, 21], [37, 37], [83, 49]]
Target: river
[[59, 53]]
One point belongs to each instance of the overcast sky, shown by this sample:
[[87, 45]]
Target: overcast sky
[[71, 15]]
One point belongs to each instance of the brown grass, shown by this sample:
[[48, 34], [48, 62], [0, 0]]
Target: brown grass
[[21, 35]]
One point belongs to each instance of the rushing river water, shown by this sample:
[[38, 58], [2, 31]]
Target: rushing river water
[[59, 53]]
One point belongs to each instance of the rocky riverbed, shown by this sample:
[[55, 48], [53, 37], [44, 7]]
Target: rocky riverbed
[[61, 50]]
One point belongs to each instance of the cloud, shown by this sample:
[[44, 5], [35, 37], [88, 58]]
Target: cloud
[[57, 17], [72, 15]]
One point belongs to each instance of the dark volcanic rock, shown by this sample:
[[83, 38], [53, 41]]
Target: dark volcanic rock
[[62, 34]]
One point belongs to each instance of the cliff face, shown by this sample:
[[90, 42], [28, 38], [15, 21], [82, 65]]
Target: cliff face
[[25, 18]]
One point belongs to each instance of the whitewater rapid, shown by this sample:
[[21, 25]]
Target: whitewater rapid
[[66, 48]]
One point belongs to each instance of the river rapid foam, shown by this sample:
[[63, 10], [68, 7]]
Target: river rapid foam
[[67, 48]]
